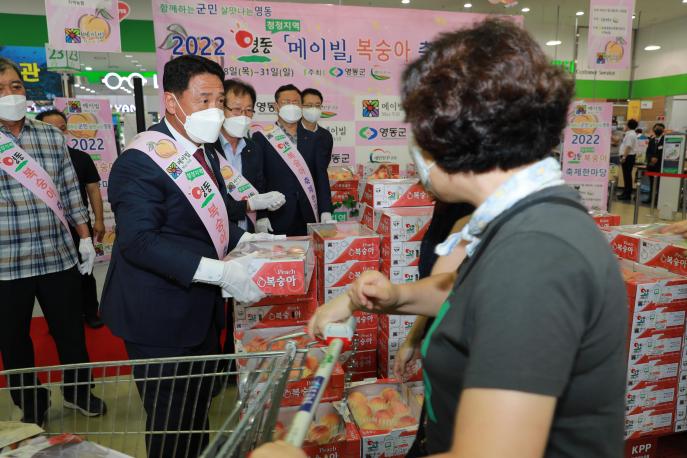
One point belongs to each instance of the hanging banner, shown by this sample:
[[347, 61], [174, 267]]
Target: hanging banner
[[40, 84], [354, 55], [609, 43], [586, 151], [83, 25], [62, 61], [90, 130], [634, 110]]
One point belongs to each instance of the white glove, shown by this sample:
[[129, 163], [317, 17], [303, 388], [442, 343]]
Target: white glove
[[87, 252], [232, 276], [260, 237], [326, 217], [263, 225], [271, 201]]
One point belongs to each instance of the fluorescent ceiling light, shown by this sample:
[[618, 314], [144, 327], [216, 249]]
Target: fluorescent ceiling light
[[88, 69], [468, 5], [652, 48], [128, 56], [405, 2], [553, 42], [525, 10], [579, 13]]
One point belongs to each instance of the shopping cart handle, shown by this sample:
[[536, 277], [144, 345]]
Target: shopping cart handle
[[343, 331]]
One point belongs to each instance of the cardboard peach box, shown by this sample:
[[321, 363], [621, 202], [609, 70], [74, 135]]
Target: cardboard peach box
[[400, 254], [369, 376], [642, 243], [345, 273], [331, 434], [364, 320], [385, 363], [370, 217], [605, 219], [656, 343], [340, 242], [402, 192], [397, 326], [649, 370], [650, 395], [362, 361], [378, 171], [281, 267], [401, 274], [650, 422], [386, 416], [404, 224], [272, 316], [309, 296]]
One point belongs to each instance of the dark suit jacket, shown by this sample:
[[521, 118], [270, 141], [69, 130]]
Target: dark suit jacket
[[251, 169], [327, 142], [279, 177], [655, 149], [149, 297]]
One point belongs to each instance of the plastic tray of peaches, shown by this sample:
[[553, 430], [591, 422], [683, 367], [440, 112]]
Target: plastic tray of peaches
[[346, 418]]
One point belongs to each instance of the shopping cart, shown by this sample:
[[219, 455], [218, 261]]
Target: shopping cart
[[231, 422]]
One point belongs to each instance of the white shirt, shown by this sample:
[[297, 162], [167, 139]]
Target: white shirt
[[234, 159], [630, 139]]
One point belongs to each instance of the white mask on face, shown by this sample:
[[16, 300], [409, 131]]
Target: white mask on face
[[202, 126], [237, 126], [291, 113], [421, 167], [12, 107], [312, 114]]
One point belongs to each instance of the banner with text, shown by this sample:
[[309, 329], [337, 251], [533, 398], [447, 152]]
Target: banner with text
[[83, 25], [353, 55], [90, 130], [586, 151], [609, 43]]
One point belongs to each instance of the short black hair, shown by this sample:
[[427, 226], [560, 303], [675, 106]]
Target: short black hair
[[7, 64], [44, 114], [632, 124], [486, 98], [661, 125], [238, 87], [179, 71], [312, 91], [284, 88]]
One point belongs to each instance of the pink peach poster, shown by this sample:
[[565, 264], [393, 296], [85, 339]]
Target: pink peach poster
[[354, 55], [83, 25], [586, 151], [89, 122], [609, 43]]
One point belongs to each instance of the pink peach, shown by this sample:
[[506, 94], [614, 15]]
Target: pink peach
[[389, 394]]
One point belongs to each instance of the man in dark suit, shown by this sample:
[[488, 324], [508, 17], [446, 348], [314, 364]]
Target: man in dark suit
[[312, 112], [244, 158], [308, 195], [161, 293], [654, 155]]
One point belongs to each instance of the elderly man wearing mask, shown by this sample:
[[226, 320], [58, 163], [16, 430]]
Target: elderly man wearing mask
[[39, 201], [241, 161], [164, 289]]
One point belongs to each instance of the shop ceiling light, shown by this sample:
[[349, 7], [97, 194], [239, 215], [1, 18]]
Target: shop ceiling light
[[134, 61], [553, 42], [579, 13], [405, 2], [88, 69], [468, 5], [128, 56], [652, 48], [525, 10]]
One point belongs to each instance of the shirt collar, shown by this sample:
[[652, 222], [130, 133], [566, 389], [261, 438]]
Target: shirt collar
[[28, 124], [226, 146], [187, 144], [317, 126]]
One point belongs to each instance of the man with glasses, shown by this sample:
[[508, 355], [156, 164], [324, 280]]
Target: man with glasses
[[312, 112], [305, 185], [241, 162]]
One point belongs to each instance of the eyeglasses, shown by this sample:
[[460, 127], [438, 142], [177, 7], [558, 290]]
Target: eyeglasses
[[237, 111]]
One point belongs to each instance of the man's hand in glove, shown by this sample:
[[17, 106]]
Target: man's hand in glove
[[263, 225], [87, 255], [232, 276], [271, 201]]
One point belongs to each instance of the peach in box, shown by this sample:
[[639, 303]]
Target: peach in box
[[280, 267], [331, 433], [387, 422], [341, 242]]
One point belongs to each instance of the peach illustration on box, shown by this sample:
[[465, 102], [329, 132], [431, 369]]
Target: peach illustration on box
[[91, 28], [582, 122]]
